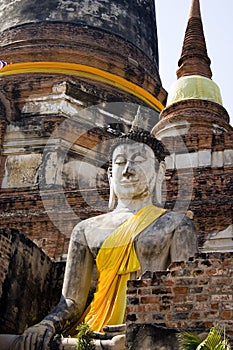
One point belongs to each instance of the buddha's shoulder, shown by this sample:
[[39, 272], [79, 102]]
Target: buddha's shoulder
[[111, 219], [174, 220]]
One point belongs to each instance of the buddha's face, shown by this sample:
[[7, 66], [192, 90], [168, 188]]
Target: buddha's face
[[134, 171]]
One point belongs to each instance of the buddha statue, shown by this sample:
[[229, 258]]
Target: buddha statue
[[135, 236]]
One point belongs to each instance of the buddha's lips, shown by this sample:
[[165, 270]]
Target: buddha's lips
[[128, 183]]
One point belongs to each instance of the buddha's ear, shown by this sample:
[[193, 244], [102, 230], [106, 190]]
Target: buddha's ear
[[112, 195], [109, 173], [159, 182]]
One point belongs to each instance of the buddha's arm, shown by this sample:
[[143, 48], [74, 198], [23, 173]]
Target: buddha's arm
[[184, 241], [76, 285]]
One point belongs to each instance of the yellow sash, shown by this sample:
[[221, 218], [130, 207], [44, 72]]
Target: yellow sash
[[115, 261]]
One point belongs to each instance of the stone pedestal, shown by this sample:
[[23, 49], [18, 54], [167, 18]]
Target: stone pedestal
[[151, 337]]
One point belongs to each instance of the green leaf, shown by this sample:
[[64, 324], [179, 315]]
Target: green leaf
[[188, 340], [213, 341]]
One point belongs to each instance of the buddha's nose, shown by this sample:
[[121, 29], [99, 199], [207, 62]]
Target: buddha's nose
[[128, 169]]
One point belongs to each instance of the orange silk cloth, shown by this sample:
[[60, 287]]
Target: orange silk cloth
[[115, 261]]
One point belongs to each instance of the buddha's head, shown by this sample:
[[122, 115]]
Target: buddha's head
[[136, 166]]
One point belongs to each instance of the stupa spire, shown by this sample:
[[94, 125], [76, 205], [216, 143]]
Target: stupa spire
[[195, 9], [194, 59]]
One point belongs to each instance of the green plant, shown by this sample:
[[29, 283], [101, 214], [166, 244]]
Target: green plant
[[188, 341], [85, 337], [215, 340]]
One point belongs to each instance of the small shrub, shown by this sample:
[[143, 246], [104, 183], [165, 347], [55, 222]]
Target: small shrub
[[85, 337]]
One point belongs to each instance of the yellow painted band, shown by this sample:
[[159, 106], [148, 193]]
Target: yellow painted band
[[84, 71]]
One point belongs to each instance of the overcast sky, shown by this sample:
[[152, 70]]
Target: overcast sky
[[172, 18]]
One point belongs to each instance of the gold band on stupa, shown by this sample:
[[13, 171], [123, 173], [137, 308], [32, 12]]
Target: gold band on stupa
[[194, 87], [83, 71]]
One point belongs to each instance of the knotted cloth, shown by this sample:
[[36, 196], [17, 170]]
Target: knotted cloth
[[115, 261]]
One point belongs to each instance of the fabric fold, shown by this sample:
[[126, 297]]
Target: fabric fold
[[115, 262]]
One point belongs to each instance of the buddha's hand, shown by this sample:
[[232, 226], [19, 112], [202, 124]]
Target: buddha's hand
[[114, 330], [117, 332], [118, 342], [36, 337], [110, 331]]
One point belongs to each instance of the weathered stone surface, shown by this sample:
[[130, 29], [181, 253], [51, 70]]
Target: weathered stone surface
[[131, 20], [21, 170], [150, 337], [219, 241], [30, 282]]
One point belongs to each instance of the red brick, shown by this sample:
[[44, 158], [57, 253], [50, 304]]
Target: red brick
[[180, 290], [226, 315]]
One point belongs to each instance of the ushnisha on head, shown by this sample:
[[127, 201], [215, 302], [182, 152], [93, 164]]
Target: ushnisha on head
[[136, 167]]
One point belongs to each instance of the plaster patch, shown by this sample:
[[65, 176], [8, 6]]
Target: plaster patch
[[221, 241], [170, 161], [204, 158], [186, 160], [228, 157], [217, 159], [21, 170], [81, 174]]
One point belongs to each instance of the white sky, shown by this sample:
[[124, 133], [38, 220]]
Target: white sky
[[217, 18]]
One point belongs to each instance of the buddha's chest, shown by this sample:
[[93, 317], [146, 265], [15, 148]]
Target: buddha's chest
[[152, 247]]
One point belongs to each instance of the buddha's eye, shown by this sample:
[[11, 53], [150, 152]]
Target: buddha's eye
[[139, 159], [120, 160]]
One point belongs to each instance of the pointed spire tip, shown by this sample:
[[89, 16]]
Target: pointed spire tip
[[195, 10]]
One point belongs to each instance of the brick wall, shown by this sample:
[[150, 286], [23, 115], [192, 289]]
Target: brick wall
[[191, 295], [199, 138], [210, 198], [24, 210]]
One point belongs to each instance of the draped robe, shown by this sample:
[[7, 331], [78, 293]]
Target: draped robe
[[115, 262]]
